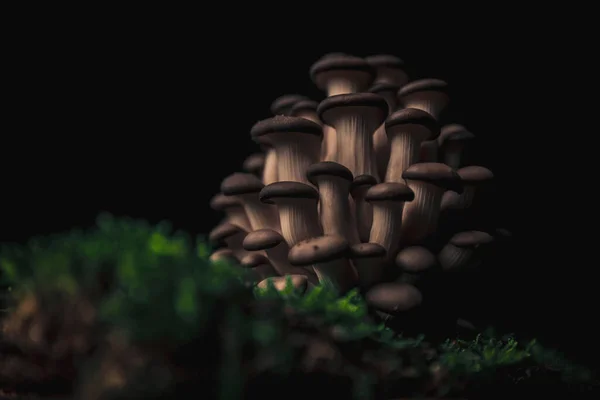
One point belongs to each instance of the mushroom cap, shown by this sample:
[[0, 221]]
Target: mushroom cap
[[254, 162], [299, 282], [394, 297], [471, 238], [413, 116], [262, 239], [475, 174], [363, 180], [287, 189], [389, 191], [383, 87], [423, 85], [223, 231], [221, 202], [283, 103], [367, 250], [327, 168], [437, 174], [455, 133], [304, 105], [225, 254], [327, 107], [415, 259], [283, 124], [252, 260], [384, 60], [319, 249], [240, 183], [339, 62]]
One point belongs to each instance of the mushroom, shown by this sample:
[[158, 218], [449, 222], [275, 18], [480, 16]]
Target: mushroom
[[259, 265], [406, 129], [296, 142], [429, 151], [388, 201], [381, 145], [269, 174], [341, 74], [245, 188], [328, 255], [297, 206], [463, 249], [224, 255], [306, 109], [233, 209], [230, 235], [473, 178], [355, 117], [333, 181], [453, 140], [283, 104], [254, 164], [429, 95], [428, 181], [276, 250], [299, 282], [368, 260], [394, 297], [363, 210], [389, 69], [414, 261]]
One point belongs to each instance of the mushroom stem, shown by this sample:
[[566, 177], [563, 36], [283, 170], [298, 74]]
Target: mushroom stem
[[339, 273], [429, 151], [354, 144], [261, 216], [405, 149], [295, 156], [342, 85], [363, 211], [328, 151], [269, 174], [420, 216], [336, 217], [299, 220], [387, 221]]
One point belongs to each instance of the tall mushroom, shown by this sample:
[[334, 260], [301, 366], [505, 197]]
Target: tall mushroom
[[355, 118], [254, 164], [341, 74], [406, 130], [283, 104], [453, 141], [277, 250], [296, 142], [388, 68], [388, 201], [368, 259], [230, 235], [429, 95], [473, 179], [328, 255], [297, 206], [306, 109], [333, 181], [463, 249], [394, 297], [245, 188], [233, 209], [428, 181], [363, 210], [381, 144]]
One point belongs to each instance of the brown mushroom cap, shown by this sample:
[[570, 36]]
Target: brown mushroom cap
[[252, 260], [319, 249], [384, 60], [339, 62], [435, 173], [287, 189], [389, 191], [423, 85], [223, 231], [475, 174], [413, 116], [415, 259], [394, 297], [254, 163], [283, 124], [282, 104], [304, 105], [262, 239], [367, 250], [362, 180], [221, 202], [455, 133], [471, 238], [328, 168], [328, 107], [299, 282], [240, 183], [225, 255]]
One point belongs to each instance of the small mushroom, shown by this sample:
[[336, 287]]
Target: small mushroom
[[389, 69], [328, 255], [306, 109], [428, 181], [381, 145], [254, 164], [223, 255], [453, 141], [363, 210], [388, 200], [299, 282], [297, 206], [406, 130], [473, 179], [355, 118], [230, 235], [333, 181], [368, 259], [276, 249], [233, 209], [341, 74], [415, 259], [259, 265], [245, 188], [463, 249], [394, 297], [429, 95], [296, 141], [283, 104]]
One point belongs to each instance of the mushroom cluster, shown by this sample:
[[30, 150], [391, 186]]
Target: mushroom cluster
[[356, 190]]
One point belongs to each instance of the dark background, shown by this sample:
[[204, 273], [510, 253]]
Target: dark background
[[147, 120]]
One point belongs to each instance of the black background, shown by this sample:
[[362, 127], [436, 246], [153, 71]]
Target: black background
[[146, 118]]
